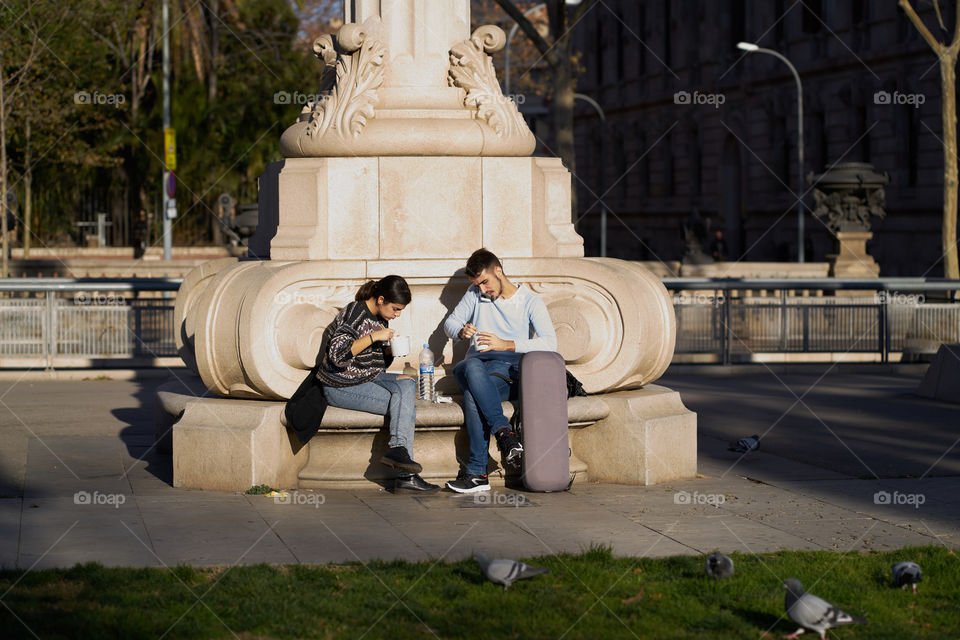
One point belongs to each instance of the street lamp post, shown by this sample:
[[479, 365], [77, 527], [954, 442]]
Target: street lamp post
[[750, 47], [167, 228]]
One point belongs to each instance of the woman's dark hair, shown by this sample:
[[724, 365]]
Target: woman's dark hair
[[481, 260], [393, 289]]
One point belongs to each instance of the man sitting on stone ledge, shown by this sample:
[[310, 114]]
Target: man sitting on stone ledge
[[501, 320]]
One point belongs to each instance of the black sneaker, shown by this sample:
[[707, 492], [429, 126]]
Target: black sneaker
[[469, 483], [509, 445], [398, 458], [415, 484]]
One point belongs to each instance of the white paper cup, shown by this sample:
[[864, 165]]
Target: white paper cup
[[400, 346]]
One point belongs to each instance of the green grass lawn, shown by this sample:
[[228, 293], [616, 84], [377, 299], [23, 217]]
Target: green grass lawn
[[591, 595]]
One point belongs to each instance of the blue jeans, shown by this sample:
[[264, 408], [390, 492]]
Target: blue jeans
[[483, 391], [384, 395]]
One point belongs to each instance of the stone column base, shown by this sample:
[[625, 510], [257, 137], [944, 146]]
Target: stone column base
[[644, 436], [648, 438]]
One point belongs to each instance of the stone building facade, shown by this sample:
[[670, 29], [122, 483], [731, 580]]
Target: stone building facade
[[694, 124]]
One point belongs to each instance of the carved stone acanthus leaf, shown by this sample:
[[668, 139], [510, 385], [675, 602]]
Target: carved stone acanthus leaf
[[471, 69], [344, 108]]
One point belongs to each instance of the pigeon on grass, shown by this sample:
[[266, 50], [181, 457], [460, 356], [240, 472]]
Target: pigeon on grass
[[719, 566], [744, 445], [813, 613], [907, 573], [504, 571]]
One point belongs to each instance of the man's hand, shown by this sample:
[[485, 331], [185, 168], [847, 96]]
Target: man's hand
[[489, 342], [467, 332]]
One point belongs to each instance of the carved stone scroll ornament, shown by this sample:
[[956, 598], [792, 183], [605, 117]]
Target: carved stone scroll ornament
[[471, 69], [347, 97]]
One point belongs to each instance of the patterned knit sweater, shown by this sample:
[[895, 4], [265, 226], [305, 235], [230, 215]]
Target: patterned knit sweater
[[339, 367]]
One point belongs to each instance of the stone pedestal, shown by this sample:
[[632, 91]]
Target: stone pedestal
[[412, 207], [852, 259], [642, 437]]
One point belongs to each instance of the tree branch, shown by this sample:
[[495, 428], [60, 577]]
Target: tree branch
[[956, 30], [938, 47], [531, 32]]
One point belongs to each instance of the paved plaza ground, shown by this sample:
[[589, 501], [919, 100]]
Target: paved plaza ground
[[851, 459]]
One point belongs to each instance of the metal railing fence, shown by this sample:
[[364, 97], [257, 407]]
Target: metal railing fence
[[58, 321], [735, 318], [67, 321]]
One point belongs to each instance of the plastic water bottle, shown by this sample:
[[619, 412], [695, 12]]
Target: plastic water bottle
[[427, 392]]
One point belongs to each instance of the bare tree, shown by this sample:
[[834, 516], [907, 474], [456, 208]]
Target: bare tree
[[557, 51], [23, 54], [947, 54]]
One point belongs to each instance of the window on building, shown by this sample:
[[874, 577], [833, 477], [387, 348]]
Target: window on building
[[858, 12], [640, 28], [669, 167], [858, 136], [912, 131], [737, 12], [779, 28], [696, 162], [667, 46], [599, 161], [812, 16], [619, 47], [620, 168], [780, 150], [820, 155], [599, 49], [643, 165]]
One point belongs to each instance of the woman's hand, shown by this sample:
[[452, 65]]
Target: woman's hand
[[383, 335], [401, 377]]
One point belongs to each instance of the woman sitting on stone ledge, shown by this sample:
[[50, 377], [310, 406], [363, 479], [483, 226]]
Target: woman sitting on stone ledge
[[353, 372]]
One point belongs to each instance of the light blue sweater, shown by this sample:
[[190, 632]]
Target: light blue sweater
[[519, 318]]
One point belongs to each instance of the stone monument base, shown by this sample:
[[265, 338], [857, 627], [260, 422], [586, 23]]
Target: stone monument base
[[852, 259], [642, 437]]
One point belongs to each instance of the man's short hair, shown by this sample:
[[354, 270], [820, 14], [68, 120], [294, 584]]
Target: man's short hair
[[479, 260]]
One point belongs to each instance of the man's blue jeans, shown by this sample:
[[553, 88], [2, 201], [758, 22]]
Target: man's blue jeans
[[484, 389], [384, 395]]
